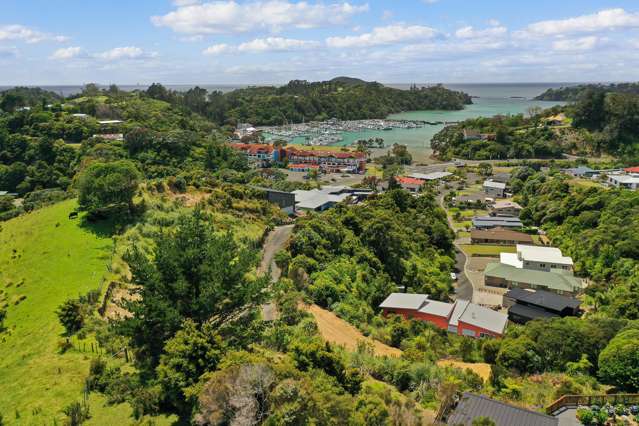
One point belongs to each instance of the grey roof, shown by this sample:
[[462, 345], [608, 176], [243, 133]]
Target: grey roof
[[484, 318], [433, 307], [460, 307], [404, 301], [545, 299], [472, 406], [578, 171], [493, 184], [430, 176], [530, 312], [495, 221]]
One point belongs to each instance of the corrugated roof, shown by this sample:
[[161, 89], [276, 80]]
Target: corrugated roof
[[493, 184], [506, 205], [440, 309], [530, 312], [543, 254], [501, 234], [404, 301], [544, 299], [553, 280], [497, 221], [408, 180], [484, 318], [472, 406], [430, 176], [460, 307]]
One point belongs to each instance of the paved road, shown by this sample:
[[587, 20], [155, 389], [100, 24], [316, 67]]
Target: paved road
[[275, 241], [463, 286]]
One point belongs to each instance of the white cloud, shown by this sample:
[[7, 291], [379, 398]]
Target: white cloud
[[28, 35], [66, 53], [128, 52], [217, 49], [470, 32], [224, 17], [430, 1], [384, 35], [276, 44], [609, 19], [579, 44]]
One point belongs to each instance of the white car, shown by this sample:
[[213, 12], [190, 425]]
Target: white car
[[453, 276]]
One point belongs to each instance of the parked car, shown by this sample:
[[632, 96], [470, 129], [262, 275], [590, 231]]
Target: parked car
[[453, 276]]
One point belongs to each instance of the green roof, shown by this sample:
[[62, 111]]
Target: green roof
[[555, 280]]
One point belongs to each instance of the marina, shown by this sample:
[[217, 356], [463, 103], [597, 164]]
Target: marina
[[331, 132]]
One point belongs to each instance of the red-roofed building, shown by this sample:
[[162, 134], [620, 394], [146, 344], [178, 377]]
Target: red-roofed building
[[409, 183], [329, 161], [260, 155], [632, 170]]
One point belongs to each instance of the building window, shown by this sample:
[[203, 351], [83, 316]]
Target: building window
[[470, 333]]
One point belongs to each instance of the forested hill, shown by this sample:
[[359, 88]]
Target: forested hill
[[573, 93], [343, 98]]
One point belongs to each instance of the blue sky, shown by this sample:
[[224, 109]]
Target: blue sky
[[273, 41]]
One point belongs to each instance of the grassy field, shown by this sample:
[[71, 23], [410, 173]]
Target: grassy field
[[486, 250], [45, 258], [585, 183], [482, 369], [337, 331]]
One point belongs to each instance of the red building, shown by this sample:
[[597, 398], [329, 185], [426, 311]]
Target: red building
[[462, 317], [259, 154], [329, 161]]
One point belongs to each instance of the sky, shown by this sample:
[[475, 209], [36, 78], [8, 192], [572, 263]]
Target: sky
[[69, 42]]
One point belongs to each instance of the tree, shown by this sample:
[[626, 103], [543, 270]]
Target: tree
[[71, 316], [103, 185], [485, 169], [193, 351], [194, 273], [619, 361]]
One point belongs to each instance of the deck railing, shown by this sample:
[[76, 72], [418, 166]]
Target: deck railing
[[590, 400]]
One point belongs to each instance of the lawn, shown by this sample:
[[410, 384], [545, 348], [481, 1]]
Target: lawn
[[585, 183], [486, 250], [45, 258]]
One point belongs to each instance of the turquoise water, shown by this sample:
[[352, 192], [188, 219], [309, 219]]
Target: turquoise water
[[419, 139]]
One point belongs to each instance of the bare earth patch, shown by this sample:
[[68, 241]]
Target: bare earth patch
[[482, 369], [335, 330]]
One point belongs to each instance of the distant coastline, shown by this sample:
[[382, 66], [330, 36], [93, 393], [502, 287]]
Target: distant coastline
[[476, 90]]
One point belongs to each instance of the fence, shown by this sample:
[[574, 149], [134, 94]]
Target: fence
[[590, 400]]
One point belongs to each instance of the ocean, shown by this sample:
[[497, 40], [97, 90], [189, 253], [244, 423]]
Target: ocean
[[489, 99]]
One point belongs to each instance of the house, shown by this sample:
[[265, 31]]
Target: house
[[430, 176], [534, 267], [410, 184], [471, 134], [285, 200], [499, 236], [462, 317], [110, 136], [109, 122], [495, 189], [489, 222], [471, 406], [624, 181], [243, 130], [327, 197], [526, 305], [78, 115], [556, 120], [538, 258], [632, 170], [329, 161], [506, 208], [580, 172], [259, 155]]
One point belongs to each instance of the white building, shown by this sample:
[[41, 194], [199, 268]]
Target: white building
[[537, 258], [630, 181], [495, 189], [325, 198]]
